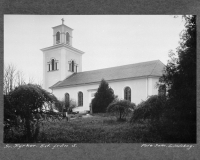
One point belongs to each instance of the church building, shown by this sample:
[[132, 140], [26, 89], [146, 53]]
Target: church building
[[63, 75]]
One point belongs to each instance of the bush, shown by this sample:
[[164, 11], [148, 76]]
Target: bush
[[25, 102], [150, 109], [121, 108], [103, 97], [72, 105]]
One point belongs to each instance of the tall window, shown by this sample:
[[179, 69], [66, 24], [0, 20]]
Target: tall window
[[80, 99], [127, 93], [57, 37], [67, 38], [53, 65], [66, 100], [73, 67]]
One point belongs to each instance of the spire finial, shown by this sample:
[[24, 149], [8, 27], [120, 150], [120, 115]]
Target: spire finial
[[62, 20]]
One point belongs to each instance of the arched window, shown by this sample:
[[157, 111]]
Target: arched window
[[72, 66], [52, 64], [80, 99], [127, 93], [66, 100], [57, 37], [67, 38]]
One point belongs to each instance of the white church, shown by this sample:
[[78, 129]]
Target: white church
[[63, 75]]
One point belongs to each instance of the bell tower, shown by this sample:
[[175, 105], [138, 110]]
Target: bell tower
[[60, 60], [62, 34]]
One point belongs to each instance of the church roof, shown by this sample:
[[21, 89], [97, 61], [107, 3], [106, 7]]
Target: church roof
[[137, 70]]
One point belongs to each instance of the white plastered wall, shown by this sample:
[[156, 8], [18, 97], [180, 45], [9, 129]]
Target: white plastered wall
[[138, 91], [51, 77], [63, 56]]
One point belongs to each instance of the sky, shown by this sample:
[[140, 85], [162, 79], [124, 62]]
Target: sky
[[107, 40]]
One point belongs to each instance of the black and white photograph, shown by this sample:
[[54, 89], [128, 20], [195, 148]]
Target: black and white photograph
[[100, 79]]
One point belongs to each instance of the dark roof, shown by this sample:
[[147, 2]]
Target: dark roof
[[150, 68]]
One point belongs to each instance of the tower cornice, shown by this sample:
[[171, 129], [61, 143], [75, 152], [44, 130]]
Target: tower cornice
[[62, 45], [62, 25]]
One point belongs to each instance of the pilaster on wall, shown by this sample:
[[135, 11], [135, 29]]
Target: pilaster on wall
[[63, 65]]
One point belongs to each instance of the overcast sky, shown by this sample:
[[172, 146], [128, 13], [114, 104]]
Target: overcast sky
[[107, 40]]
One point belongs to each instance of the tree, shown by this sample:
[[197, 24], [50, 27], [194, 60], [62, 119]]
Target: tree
[[180, 79], [103, 97], [27, 101], [121, 108], [12, 78]]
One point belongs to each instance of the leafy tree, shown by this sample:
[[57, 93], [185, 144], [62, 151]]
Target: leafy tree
[[103, 97], [121, 108], [27, 101], [180, 79]]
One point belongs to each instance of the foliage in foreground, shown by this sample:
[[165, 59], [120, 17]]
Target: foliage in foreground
[[180, 79], [150, 109], [96, 129], [23, 109], [103, 97], [174, 118], [121, 108], [62, 107]]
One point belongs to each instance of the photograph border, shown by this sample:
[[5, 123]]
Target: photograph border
[[98, 7]]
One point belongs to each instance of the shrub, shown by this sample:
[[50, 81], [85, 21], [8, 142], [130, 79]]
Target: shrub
[[26, 102], [59, 105], [62, 107], [72, 105], [121, 108], [150, 109], [103, 97]]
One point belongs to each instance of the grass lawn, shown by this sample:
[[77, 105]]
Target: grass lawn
[[99, 128]]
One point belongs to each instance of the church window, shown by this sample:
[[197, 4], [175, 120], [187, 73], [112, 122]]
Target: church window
[[66, 100], [67, 38], [53, 65], [57, 37], [80, 99], [70, 66], [73, 67], [127, 93]]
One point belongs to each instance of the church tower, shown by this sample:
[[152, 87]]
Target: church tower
[[60, 60]]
